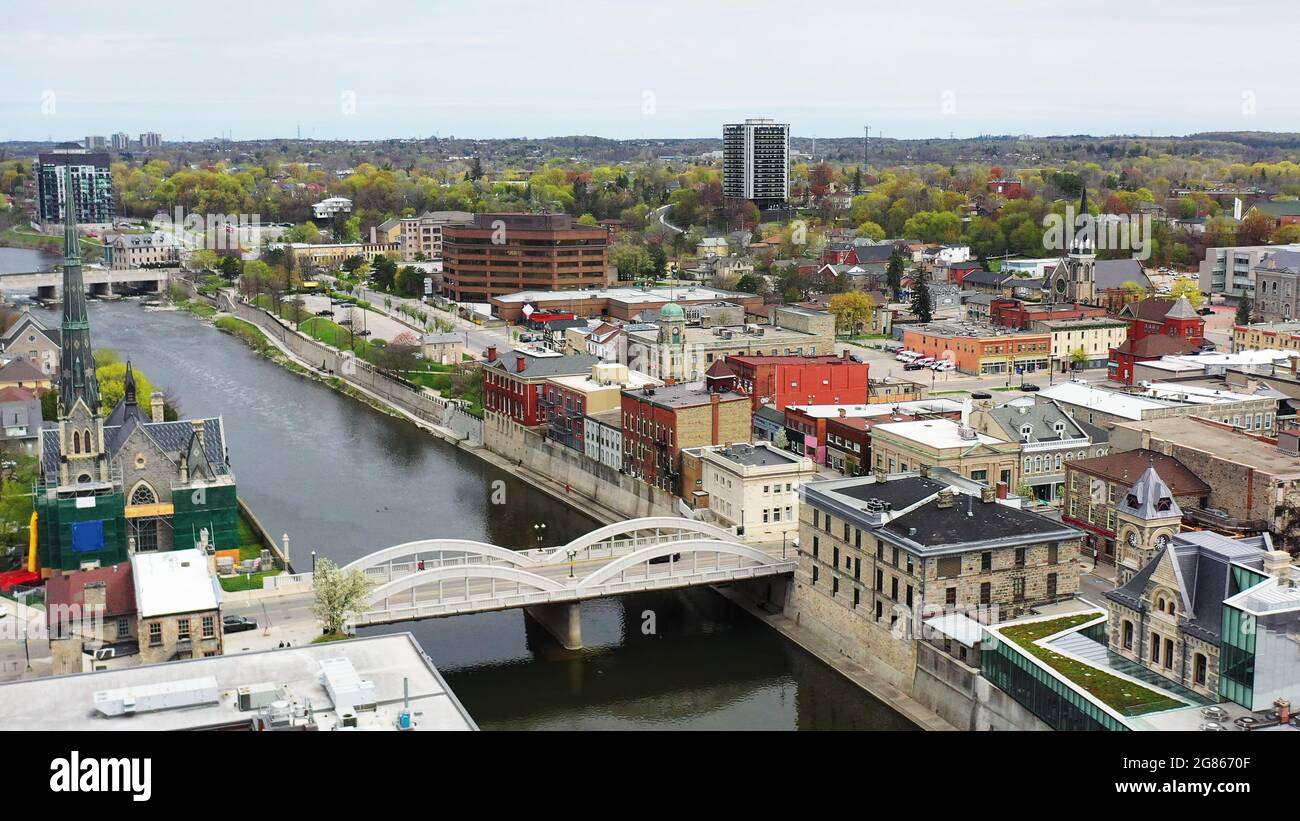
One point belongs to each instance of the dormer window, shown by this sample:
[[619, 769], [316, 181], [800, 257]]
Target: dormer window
[[1131, 500], [1026, 431], [1164, 504]]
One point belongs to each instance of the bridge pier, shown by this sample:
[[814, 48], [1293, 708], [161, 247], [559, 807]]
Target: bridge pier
[[101, 289], [563, 621], [47, 292]]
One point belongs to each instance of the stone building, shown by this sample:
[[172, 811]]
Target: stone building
[[1148, 518], [898, 447], [29, 339], [178, 606], [876, 553], [1048, 436], [1168, 617]]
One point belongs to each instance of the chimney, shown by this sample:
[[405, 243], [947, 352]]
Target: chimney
[[880, 474], [520, 363], [715, 406], [197, 425], [156, 406], [374, 239], [923, 471], [1002, 491], [945, 499], [492, 353], [1277, 563], [843, 413]]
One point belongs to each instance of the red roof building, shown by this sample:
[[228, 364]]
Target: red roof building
[[514, 384], [1166, 317], [1015, 313], [1146, 349], [800, 380]]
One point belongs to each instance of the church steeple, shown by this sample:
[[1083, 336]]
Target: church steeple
[[77, 362]]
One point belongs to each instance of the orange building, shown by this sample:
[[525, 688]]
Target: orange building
[[982, 350]]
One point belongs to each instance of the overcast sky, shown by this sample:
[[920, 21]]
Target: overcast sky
[[672, 68]]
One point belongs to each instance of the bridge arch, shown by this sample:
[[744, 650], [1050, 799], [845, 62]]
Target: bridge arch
[[632, 525], [645, 554], [462, 572], [431, 546]]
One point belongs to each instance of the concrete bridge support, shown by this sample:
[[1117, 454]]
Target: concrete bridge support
[[563, 621], [101, 289], [47, 292]]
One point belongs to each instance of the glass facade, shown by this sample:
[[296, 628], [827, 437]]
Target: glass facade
[[1237, 657], [1044, 695]]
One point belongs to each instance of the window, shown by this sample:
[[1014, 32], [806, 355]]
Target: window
[[1155, 647], [1199, 669], [155, 634], [986, 593], [209, 627], [1018, 588], [986, 561], [183, 629], [143, 495], [1020, 557], [1126, 635], [1051, 585], [949, 567], [950, 596]]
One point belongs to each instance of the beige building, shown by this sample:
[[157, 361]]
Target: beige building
[[876, 557], [178, 606], [302, 254], [131, 251], [29, 339], [1283, 336], [443, 348], [899, 447], [1095, 337], [680, 351], [421, 237], [753, 487]]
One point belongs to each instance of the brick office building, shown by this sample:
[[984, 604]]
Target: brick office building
[[499, 254], [804, 380], [659, 422], [1021, 315], [514, 384]]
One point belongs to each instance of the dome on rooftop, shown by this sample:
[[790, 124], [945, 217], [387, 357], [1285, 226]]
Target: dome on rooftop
[[670, 311]]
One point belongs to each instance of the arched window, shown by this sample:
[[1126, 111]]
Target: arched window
[[143, 494], [1127, 635], [1199, 669], [76, 442], [85, 441]]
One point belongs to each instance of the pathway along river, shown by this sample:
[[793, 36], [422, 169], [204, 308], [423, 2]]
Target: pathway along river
[[344, 479]]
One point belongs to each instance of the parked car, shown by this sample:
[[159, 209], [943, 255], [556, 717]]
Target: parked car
[[913, 366], [1030, 387], [1206, 311], [924, 361], [981, 395], [325, 312], [237, 624]]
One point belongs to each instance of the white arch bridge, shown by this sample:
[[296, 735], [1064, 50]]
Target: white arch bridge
[[449, 577]]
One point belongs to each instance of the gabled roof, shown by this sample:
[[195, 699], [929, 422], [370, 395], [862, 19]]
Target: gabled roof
[[1155, 309], [1111, 274], [1042, 419], [1201, 564], [20, 370], [991, 279], [1154, 346], [1288, 208], [171, 437], [1127, 466]]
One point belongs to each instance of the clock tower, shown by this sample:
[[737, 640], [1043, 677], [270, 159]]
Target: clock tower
[[672, 342], [1148, 518]]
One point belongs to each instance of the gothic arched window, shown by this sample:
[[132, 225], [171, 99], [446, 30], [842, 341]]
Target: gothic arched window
[[143, 495]]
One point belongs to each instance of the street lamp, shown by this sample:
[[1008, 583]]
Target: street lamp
[[572, 554], [539, 531]]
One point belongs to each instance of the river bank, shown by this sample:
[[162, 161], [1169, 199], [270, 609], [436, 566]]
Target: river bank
[[345, 480], [563, 492]]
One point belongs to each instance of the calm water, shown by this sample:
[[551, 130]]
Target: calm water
[[26, 261], [343, 479]]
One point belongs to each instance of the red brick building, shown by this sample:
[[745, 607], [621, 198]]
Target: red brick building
[[659, 422], [1015, 313], [800, 380], [1007, 188], [1157, 327], [500, 254], [1166, 317], [514, 384], [1146, 349]]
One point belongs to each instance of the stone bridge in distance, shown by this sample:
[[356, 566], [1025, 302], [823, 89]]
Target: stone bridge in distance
[[452, 577]]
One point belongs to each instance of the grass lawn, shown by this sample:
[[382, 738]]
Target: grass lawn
[[235, 584], [1123, 695], [328, 637], [246, 331]]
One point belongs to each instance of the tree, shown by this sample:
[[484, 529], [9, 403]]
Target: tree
[[339, 596], [851, 310], [1255, 229], [1243, 311], [1135, 291], [894, 273], [781, 441], [632, 260], [921, 306], [1078, 357], [1185, 287], [1287, 234]]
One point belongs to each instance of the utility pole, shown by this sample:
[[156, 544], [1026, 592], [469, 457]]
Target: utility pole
[[866, 143]]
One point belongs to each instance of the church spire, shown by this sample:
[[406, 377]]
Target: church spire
[[77, 360]]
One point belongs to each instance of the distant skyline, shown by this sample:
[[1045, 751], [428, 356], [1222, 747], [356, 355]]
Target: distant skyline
[[678, 69]]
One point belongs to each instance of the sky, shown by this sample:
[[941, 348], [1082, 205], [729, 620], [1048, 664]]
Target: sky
[[672, 68]]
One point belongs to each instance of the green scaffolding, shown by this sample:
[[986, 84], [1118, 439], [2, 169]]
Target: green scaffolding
[[54, 524], [214, 508]]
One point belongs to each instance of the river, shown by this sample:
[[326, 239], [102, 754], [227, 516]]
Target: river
[[26, 261], [343, 479]]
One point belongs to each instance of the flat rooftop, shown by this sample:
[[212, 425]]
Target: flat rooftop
[[936, 433], [68, 702], [1083, 395], [914, 407], [629, 295], [1187, 432], [760, 455]]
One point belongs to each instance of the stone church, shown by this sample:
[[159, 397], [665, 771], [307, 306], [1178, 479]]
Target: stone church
[[130, 482]]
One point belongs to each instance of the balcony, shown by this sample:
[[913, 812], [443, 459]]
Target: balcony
[[1216, 519]]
